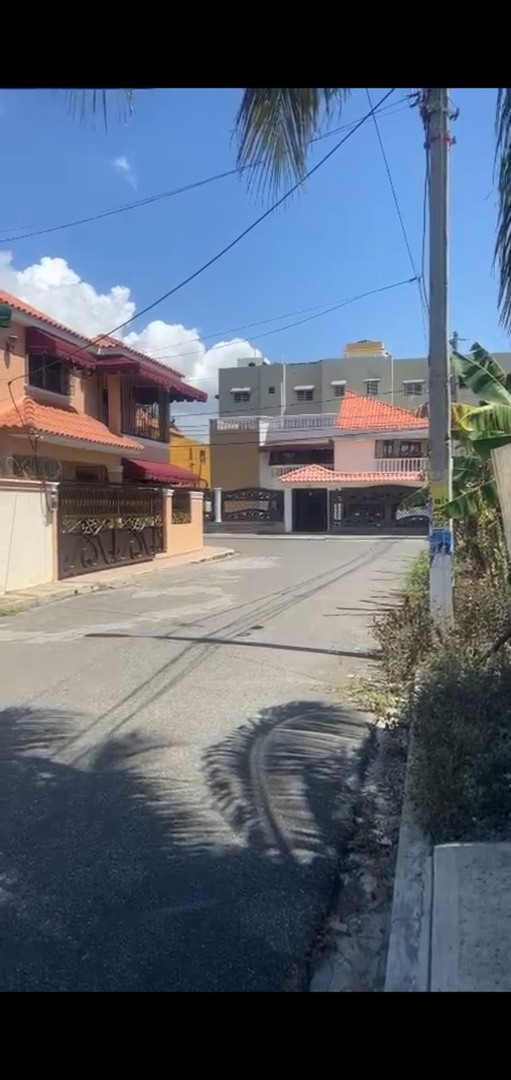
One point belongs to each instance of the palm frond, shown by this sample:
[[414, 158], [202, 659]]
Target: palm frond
[[481, 374], [273, 128], [84, 103], [503, 171]]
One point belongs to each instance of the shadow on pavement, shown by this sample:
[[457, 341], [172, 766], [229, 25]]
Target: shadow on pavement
[[210, 639], [113, 878]]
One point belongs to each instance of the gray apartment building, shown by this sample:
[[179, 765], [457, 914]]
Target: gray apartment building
[[259, 388]]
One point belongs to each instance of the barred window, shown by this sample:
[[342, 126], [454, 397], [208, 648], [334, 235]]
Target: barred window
[[181, 508]]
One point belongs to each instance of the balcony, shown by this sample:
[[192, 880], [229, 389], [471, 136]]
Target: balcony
[[306, 426], [238, 423], [402, 465], [278, 471]]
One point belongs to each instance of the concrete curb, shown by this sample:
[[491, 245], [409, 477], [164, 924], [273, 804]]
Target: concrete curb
[[409, 952], [16, 603]]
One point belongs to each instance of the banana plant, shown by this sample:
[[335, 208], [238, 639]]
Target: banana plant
[[476, 431]]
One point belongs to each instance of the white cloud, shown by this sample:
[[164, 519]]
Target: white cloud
[[123, 167], [54, 287]]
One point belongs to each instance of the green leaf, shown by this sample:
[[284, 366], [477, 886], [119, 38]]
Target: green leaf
[[503, 170], [274, 126], [91, 102], [470, 502], [482, 376]]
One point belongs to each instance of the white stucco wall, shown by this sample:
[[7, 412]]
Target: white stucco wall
[[355, 455], [27, 537]]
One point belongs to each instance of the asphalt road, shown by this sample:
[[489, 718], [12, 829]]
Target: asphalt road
[[177, 768]]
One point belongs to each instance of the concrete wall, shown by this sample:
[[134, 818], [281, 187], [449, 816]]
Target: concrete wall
[[355, 370], [184, 539], [359, 455], [28, 536], [235, 458]]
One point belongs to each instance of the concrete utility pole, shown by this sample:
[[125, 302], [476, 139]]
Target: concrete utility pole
[[435, 113]]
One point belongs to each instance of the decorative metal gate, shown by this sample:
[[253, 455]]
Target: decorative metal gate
[[253, 504], [335, 518], [105, 525]]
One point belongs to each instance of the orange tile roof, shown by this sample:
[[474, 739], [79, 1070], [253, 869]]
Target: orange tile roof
[[112, 344], [106, 342], [27, 309], [359, 413], [31, 416], [317, 474]]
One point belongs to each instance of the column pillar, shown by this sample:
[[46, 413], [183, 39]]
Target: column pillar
[[218, 506], [288, 509], [167, 517]]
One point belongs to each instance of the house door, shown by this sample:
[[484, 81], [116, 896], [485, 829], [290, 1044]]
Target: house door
[[310, 510]]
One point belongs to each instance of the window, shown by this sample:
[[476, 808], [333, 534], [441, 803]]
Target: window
[[305, 395], [91, 474], [241, 395], [181, 508], [413, 388], [48, 373], [372, 387], [314, 455], [340, 389], [394, 448], [271, 389]]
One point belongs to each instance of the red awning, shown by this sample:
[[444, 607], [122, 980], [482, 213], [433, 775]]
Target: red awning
[[154, 374], [38, 341], [158, 472]]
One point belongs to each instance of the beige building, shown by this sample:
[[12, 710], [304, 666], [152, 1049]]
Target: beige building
[[325, 472], [257, 388], [85, 481]]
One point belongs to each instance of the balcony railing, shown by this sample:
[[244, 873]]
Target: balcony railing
[[146, 426], [402, 465], [280, 470], [237, 423], [302, 420]]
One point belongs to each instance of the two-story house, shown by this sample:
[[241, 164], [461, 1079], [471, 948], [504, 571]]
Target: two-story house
[[92, 416], [346, 469], [76, 409]]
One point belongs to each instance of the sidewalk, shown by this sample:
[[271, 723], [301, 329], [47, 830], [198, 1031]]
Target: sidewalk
[[451, 913], [13, 602]]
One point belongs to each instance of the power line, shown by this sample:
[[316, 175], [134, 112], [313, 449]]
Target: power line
[[241, 236], [31, 231], [400, 217], [299, 322], [276, 408], [341, 303]]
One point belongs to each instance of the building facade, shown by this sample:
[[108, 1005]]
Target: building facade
[[192, 454], [258, 388], [85, 480], [348, 469]]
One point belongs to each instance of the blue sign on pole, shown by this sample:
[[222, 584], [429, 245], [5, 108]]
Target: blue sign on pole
[[440, 541]]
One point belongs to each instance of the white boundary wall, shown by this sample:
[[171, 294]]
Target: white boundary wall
[[28, 535]]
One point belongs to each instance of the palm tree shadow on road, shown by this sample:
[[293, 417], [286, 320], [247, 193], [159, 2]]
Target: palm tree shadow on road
[[109, 881]]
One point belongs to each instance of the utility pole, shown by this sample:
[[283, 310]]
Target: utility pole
[[454, 343], [435, 111]]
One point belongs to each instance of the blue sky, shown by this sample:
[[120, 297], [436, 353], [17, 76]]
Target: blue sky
[[340, 237]]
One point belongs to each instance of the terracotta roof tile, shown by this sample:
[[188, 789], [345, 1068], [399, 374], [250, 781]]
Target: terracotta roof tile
[[66, 423], [27, 309], [359, 413], [106, 343], [317, 474]]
